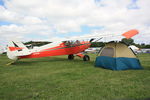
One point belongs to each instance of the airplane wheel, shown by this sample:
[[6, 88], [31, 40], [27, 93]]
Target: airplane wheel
[[70, 57], [86, 58]]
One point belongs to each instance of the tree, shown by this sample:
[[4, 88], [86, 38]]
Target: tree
[[36, 43], [97, 44], [147, 46], [128, 41]]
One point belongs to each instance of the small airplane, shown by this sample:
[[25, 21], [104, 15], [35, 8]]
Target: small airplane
[[72, 47]]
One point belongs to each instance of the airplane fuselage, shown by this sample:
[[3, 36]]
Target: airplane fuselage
[[61, 49]]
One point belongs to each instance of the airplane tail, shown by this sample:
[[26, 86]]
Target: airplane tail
[[16, 49]]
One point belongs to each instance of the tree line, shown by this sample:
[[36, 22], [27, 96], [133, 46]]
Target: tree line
[[124, 40], [94, 44]]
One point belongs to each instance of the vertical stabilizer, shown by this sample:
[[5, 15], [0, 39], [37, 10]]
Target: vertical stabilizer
[[16, 49]]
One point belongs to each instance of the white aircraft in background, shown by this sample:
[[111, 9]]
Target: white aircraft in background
[[135, 49]]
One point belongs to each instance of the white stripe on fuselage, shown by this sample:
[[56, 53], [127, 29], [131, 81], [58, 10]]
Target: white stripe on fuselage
[[50, 45]]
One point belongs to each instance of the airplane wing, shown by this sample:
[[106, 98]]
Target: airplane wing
[[127, 35]]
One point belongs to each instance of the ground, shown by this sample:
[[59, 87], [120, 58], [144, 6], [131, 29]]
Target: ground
[[56, 78]]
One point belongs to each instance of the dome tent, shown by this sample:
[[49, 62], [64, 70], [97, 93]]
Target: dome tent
[[117, 56]]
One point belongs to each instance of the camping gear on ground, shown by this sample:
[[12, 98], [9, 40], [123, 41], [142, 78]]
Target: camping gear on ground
[[117, 56]]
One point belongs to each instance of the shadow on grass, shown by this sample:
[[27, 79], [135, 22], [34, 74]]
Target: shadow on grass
[[132, 99], [27, 62], [146, 68]]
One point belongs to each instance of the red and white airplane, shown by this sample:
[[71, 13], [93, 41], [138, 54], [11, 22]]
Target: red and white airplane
[[71, 47]]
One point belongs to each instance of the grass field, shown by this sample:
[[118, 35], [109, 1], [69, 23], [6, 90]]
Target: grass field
[[56, 78]]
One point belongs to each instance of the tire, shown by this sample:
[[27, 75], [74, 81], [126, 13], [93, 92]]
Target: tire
[[71, 57], [86, 58]]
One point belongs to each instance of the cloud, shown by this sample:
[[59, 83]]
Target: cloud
[[49, 18]]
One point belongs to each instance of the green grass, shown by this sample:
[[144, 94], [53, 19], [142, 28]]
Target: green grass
[[56, 78]]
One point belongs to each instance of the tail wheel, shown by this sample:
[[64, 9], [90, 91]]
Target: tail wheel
[[86, 58], [71, 57]]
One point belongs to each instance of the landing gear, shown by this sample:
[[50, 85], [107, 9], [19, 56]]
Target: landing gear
[[71, 57], [86, 58]]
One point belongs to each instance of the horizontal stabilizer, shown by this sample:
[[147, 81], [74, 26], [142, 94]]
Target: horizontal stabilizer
[[14, 48]]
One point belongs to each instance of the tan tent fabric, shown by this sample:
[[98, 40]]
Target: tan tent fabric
[[117, 50]]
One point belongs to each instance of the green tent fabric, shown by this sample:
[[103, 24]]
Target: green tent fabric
[[117, 56]]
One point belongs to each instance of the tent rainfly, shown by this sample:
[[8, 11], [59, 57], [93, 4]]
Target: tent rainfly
[[117, 56]]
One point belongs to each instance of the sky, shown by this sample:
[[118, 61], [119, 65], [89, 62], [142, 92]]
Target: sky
[[55, 19]]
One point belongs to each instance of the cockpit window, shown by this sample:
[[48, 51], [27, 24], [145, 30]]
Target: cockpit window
[[72, 43]]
